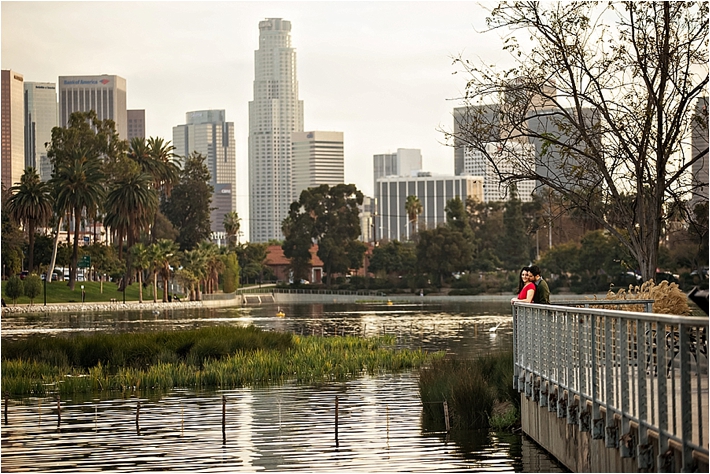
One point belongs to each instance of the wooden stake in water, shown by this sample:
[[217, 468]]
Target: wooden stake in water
[[446, 416], [59, 411], [337, 442], [224, 419], [138, 414], [7, 400]]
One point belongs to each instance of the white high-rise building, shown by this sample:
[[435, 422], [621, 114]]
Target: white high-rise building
[[475, 164], [274, 114], [207, 133], [318, 158], [13, 129], [104, 94], [40, 118], [433, 193], [405, 162]]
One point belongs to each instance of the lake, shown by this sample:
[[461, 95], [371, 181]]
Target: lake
[[275, 428]]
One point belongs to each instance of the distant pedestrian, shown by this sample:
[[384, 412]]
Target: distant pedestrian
[[542, 291]]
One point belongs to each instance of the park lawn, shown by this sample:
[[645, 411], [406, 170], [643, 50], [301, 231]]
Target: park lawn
[[59, 292]]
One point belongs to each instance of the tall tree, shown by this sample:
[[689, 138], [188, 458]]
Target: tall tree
[[232, 222], [141, 261], [413, 207], [165, 255], [79, 184], [442, 251], [188, 207], [327, 216], [606, 93], [31, 205]]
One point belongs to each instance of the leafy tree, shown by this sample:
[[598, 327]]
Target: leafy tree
[[251, 258], [514, 244], [79, 185], [413, 207], [215, 265], [13, 239], [605, 92], [394, 257], [165, 255], [230, 277], [561, 259], [163, 228], [188, 207], [98, 141], [486, 222], [32, 287], [14, 288], [194, 270], [442, 251], [31, 205], [327, 216]]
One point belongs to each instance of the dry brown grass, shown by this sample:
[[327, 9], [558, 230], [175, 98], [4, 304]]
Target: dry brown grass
[[668, 297]]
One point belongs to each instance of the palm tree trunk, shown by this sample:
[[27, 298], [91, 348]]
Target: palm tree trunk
[[75, 251], [155, 287], [166, 273], [50, 270], [31, 257], [140, 286]]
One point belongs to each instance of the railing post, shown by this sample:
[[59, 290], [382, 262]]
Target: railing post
[[597, 421], [515, 347], [663, 452], [644, 451], [686, 423], [626, 441]]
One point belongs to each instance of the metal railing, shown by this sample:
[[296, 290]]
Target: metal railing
[[645, 369], [307, 291]]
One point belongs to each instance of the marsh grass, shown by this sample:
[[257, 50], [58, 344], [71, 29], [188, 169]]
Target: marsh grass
[[472, 389], [217, 357]]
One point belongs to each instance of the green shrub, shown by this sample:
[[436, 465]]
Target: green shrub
[[33, 287], [14, 288]]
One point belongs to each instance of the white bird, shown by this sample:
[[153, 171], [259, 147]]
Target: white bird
[[495, 328]]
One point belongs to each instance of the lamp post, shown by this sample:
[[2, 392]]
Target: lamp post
[[45, 290]]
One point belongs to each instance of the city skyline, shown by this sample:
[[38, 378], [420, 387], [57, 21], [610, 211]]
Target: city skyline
[[382, 73]]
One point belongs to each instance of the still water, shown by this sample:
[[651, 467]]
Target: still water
[[277, 428]]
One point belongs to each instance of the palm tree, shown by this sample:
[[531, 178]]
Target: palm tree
[[231, 227], [413, 207], [214, 264], [141, 261], [130, 206], [194, 270], [168, 173], [79, 185], [166, 254], [30, 205]]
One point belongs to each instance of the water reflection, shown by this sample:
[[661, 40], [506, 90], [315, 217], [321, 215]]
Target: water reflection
[[277, 428]]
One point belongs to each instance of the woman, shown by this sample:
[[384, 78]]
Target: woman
[[526, 287]]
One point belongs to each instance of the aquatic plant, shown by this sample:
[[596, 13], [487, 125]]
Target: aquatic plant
[[225, 357]]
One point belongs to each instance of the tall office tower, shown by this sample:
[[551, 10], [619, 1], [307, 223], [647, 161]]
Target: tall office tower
[[104, 94], [475, 164], [13, 128], [40, 118], [318, 158], [136, 123], [274, 114], [699, 144], [433, 193], [403, 163], [207, 133]]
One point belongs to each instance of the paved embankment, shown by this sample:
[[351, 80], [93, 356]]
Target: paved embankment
[[119, 306]]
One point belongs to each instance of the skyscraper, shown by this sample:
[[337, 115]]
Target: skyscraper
[[207, 133], [699, 143], [318, 158], [40, 118], [403, 163], [104, 94], [13, 128], [274, 114], [475, 164], [136, 123]]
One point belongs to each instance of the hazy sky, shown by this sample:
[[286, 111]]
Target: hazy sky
[[381, 72]]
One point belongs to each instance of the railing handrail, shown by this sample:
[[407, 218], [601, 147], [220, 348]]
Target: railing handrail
[[648, 317]]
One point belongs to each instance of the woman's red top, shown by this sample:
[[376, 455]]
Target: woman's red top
[[524, 292]]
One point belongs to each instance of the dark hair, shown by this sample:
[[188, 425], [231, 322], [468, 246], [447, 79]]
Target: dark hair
[[535, 270], [521, 284]]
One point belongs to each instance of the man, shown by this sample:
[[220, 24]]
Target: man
[[542, 291]]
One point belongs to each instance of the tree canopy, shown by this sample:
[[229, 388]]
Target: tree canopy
[[606, 92]]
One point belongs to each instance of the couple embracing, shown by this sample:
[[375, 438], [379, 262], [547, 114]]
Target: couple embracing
[[532, 288]]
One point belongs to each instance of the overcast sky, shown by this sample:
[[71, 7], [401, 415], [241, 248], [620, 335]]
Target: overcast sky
[[380, 72]]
